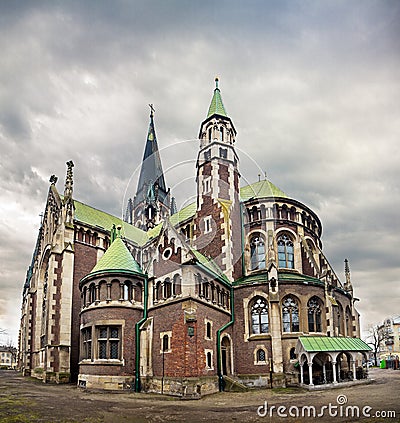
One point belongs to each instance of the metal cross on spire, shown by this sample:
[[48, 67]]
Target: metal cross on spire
[[152, 110]]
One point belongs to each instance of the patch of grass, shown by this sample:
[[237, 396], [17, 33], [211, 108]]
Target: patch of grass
[[13, 410]]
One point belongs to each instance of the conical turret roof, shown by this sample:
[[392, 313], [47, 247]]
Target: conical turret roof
[[216, 106], [117, 259]]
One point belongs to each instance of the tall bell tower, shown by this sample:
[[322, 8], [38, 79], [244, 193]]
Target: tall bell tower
[[217, 231]]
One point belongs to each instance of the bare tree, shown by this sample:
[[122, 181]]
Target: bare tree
[[376, 335]]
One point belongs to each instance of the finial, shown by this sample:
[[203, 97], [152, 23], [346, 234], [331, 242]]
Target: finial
[[53, 179], [152, 110], [216, 82]]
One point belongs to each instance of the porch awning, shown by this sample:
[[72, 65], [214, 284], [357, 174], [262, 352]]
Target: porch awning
[[325, 344]]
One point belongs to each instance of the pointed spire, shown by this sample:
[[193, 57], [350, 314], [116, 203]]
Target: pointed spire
[[216, 106], [151, 172]]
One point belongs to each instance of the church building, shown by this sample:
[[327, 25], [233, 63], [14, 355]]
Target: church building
[[231, 292]]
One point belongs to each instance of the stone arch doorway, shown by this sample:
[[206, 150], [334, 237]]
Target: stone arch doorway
[[226, 356]]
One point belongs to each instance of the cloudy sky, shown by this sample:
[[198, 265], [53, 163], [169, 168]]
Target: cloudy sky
[[313, 88]]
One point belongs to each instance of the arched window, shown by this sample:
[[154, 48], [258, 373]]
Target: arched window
[[261, 357], [339, 319], [209, 359], [349, 322], [314, 314], [208, 330], [257, 251], [167, 288], [259, 316], [92, 293], [165, 343], [285, 252], [292, 353], [127, 291], [290, 315]]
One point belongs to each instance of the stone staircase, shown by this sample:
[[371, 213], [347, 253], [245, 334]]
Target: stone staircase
[[232, 385]]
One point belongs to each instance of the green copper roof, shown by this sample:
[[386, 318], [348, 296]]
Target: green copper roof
[[117, 259], [91, 216], [324, 343], [209, 264], [216, 106], [260, 189]]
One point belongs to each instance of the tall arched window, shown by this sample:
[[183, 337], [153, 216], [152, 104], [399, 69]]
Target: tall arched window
[[285, 252], [127, 291], [257, 251], [259, 316], [167, 288], [349, 322], [290, 315], [339, 319], [314, 314]]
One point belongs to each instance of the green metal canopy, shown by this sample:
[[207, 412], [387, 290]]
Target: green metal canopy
[[325, 344]]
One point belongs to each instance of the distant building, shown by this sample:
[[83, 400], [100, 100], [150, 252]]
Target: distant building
[[8, 357], [226, 292], [390, 333]]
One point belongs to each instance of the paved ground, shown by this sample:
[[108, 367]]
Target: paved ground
[[29, 400]]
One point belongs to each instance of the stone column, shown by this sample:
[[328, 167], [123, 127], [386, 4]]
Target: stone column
[[324, 372], [353, 362], [301, 375], [108, 291], [310, 373], [334, 371]]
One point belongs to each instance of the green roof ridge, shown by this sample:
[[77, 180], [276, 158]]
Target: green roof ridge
[[117, 258], [216, 106], [209, 264], [261, 189]]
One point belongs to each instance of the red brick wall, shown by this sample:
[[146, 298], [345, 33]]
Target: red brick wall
[[130, 316], [244, 351], [187, 357]]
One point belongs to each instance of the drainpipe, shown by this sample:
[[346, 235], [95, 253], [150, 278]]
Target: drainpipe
[[219, 331], [137, 334]]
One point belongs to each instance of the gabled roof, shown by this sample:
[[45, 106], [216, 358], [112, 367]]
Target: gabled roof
[[117, 259], [216, 106], [325, 344], [260, 189]]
